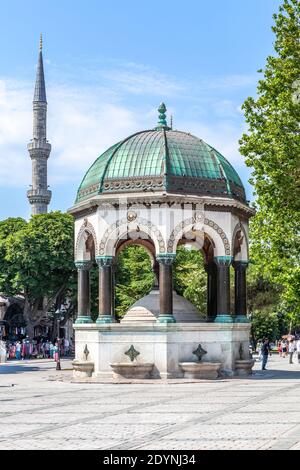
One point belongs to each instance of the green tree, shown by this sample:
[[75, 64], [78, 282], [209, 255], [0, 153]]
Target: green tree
[[7, 227], [134, 277], [271, 147], [264, 323], [36, 262], [190, 279], [264, 308]]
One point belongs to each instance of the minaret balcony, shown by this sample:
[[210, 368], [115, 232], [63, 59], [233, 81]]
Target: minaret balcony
[[39, 196], [36, 144]]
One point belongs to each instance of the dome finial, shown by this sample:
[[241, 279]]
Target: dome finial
[[41, 41], [162, 122]]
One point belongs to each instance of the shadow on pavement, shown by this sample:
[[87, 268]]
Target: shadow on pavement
[[276, 374], [16, 369]]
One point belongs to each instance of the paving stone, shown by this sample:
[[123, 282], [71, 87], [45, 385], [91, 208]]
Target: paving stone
[[259, 412], [199, 444]]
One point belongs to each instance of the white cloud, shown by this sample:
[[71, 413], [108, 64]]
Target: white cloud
[[84, 121], [225, 109], [80, 127], [230, 82], [139, 79]]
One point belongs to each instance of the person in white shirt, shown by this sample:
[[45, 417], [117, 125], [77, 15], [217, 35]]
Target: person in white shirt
[[67, 346], [291, 350]]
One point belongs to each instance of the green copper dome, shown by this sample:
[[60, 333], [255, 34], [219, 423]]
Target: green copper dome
[[162, 160]]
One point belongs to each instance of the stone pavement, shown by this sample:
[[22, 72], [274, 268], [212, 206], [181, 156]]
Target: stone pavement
[[41, 412]]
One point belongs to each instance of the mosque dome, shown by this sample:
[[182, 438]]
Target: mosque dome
[[162, 159]]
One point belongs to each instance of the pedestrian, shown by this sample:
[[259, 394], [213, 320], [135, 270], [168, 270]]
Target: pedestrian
[[265, 351], [55, 352], [280, 348], [12, 351], [61, 345], [284, 348], [291, 350], [67, 346], [18, 350], [51, 350], [298, 350], [47, 349]]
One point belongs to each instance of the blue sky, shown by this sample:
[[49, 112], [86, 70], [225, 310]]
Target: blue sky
[[108, 65]]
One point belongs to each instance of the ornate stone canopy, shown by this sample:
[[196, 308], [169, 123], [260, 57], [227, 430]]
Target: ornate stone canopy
[[160, 189]]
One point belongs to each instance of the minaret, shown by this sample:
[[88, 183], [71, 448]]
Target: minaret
[[39, 148]]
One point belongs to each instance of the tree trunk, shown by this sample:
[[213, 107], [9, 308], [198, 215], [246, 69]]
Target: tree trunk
[[30, 313], [30, 331]]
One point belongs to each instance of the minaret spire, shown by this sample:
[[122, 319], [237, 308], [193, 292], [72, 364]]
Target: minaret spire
[[39, 148]]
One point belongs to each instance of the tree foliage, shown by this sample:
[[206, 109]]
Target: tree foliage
[[36, 261], [190, 279], [272, 148], [134, 277]]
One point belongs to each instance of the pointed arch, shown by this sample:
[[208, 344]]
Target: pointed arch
[[240, 245], [83, 247]]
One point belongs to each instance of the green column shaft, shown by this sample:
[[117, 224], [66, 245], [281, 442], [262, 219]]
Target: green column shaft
[[223, 289], [240, 291], [166, 289], [106, 305], [84, 292], [105, 288], [211, 270]]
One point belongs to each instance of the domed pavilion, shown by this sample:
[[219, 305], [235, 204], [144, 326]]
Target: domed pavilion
[[161, 188]]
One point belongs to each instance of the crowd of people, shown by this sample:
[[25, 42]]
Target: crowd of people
[[34, 349], [285, 347]]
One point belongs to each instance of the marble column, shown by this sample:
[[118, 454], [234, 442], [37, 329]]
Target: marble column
[[156, 275], [166, 288], [105, 264], [223, 289], [240, 291], [211, 270], [84, 291]]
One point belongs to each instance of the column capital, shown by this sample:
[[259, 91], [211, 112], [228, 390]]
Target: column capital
[[210, 266], [84, 265], [223, 260], [166, 258], [105, 261], [240, 264]]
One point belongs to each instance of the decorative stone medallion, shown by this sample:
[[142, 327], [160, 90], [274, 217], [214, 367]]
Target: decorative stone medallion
[[199, 352], [132, 353], [131, 216]]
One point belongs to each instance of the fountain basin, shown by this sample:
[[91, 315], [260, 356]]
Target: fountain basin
[[243, 367], [82, 369], [132, 370], [200, 370]]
